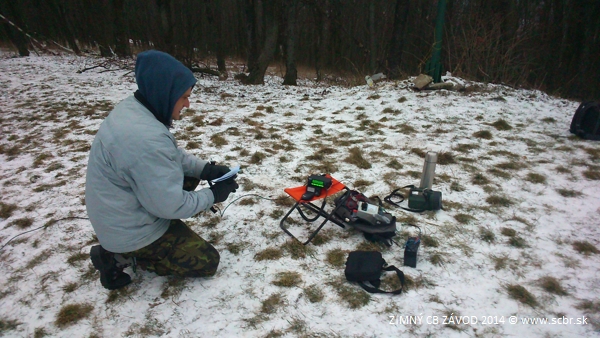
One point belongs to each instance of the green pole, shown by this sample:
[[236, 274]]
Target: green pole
[[434, 67]]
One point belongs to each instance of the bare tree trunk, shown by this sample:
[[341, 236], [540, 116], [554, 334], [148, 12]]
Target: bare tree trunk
[[291, 73], [65, 25], [165, 14], [120, 29], [396, 47], [267, 48], [372, 40], [15, 35]]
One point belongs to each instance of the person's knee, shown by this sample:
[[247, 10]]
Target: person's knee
[[212, 263]]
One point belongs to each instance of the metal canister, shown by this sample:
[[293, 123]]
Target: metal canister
[[428, 170]]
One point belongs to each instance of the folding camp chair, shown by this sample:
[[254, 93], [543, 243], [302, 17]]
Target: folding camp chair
[[297, 192]]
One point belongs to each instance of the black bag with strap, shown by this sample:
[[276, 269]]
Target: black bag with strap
[[586, 121], [367, 267]]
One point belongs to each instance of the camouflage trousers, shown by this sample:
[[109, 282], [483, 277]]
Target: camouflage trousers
[[180, 251]]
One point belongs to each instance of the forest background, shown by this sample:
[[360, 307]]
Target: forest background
[[551, 45]]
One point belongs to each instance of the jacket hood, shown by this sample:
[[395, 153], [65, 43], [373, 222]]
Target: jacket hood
[[161, 81]]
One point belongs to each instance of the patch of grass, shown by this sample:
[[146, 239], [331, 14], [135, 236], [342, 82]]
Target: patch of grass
[[521, 294], [463, 218], [235, 248], [39, 332], [257, 157], [356, 157], [592, 174], [536, 178], [288, 279], [548, 120], [211, 222], [77, 257], [569, 193], [487, 235], [336, 257], [483, 134], [72, 313], [499, 201], [22, 223], [6, 210], [218, 140], [406, 129], [479, 179], [429, 241], [517, 242], [445, 157], [436, 259], [455, 186], [296, 249], [552, 285], [314, 294], [70, 287], [248, 201], [284, 201], [394, 164], [499, 173], [8, 325], [585, 247], [354, 297], [269, 254], [38, 259], [217, 122], [322, 237], [373, 97], [418, 151], [272, 303], [509, 232], [589, 306], [361, 184], [121, 294], [510, 165], [501, 124], [466, 147]]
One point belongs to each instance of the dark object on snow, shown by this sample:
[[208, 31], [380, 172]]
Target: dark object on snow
[[367, 267], [112, 276], [586, 121]]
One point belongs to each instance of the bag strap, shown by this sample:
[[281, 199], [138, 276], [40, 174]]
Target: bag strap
[[376, 289]]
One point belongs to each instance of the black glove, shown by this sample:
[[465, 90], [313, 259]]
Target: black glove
[[221, 190], [213, 171]]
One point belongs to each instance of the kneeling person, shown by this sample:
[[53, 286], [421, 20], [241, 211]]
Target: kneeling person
[[139, 184]]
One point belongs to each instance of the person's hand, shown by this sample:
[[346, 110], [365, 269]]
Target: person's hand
[[221, 190], [213, 171]]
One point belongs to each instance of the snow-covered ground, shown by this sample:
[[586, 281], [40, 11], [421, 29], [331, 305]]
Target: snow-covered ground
[[514, 242]]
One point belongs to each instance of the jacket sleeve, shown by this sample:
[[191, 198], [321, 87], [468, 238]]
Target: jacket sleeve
[[192, 166], [156, 178]]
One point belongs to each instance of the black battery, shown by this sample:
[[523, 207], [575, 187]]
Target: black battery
[[410, 251]]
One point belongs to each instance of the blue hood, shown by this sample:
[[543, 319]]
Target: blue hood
[[161, 81]]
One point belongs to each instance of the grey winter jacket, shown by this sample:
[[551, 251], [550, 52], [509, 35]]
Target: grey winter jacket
[[135, 177]]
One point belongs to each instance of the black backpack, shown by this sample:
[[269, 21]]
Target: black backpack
[[586, 121]]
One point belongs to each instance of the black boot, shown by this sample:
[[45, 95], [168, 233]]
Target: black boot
[[111, 276]]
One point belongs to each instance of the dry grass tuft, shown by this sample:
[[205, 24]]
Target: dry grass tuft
[[288, 279], [6, 210], [536, 178], [297, 250], [271, 304], [445, 157], [356, 157], [501, 124], [569, 193], [22, 223], [509, 232], [314, 294], [552, 285], [353, 296], [268, 254], [521, 294], [487, 235], [499, 201], [585, 247], [429, 241], [257, 157], [463, 218], [336, 257], [218, 140], [483, 134], [72, 313]]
